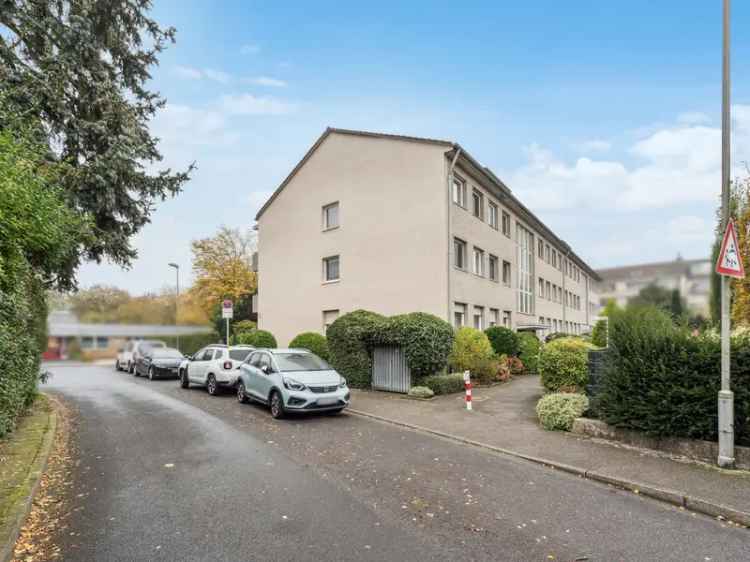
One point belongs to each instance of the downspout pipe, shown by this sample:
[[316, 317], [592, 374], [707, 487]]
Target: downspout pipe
[[449, 231]]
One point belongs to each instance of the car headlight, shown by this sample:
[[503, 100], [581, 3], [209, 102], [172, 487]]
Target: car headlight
[[292, 384], [342, 383]]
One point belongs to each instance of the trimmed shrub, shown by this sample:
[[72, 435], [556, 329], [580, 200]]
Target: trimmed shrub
[[530, 347], [444, 384], [486, 370], [422, 392], [257, 338], [503, 340], [425, 339], [599, 334], [243, 326], [471, 350], [563, 364], [660, 379], [558, 410], [312, 341], [555, 336], [348, 345]]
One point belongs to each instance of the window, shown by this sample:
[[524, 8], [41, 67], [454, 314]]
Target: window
[[506, 318], [331, 216], [459, 192], [479, 317], [494, 317], [102, 342], [554, 258], [478, 262], [525, 243], [493, 268], [506, 224], [218, 353], [87, 342], [541, 287], [546, 253], [477, 206], [506, 273], [548, 291], [328, 318], [331, 269], [459, 314], [459, 253], [493, 215], [239, 354], [540, 249]]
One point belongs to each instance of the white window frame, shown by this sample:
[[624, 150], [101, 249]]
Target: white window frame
[[478, 314], [477, 204], [477, 261], [506, 223], [459, 311], [328, 260], [493, 214], [326, 224], [507, 318], [459, 191], [494, 317], [493, 272], [509, 281], [458, 243], [526, 282]]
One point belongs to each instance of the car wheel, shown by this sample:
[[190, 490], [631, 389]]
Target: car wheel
[[241, 396], [277, 405], [131, 368], [117, 364], [212, 386], [150, 373], [135, 371], [184, 382]]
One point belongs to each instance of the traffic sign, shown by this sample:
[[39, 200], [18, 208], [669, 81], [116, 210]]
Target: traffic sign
[[227, 310], [730, 261]]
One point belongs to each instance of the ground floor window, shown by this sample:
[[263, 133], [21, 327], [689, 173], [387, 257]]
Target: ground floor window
[[494, 317], [459, 315], [479, 317], [328, 318], [506, 318]]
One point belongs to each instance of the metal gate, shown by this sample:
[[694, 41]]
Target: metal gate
[[389, 370]]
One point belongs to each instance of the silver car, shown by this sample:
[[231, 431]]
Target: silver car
[[291, 381]]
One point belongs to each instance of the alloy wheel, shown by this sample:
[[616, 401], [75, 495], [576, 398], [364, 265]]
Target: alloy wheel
[[241, 393], [211, 385]]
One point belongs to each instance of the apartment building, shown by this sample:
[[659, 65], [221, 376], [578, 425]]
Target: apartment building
[[398, 224]]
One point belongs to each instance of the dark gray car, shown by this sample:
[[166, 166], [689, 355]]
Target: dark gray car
[[159, 363]]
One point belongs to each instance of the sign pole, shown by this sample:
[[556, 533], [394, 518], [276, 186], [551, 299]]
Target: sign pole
[[726, 397], [227, 331]]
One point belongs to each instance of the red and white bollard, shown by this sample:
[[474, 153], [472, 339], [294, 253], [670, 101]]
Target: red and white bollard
[[467, 384]]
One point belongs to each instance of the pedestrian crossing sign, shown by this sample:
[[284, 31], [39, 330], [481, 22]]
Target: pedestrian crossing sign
[[730, 262]]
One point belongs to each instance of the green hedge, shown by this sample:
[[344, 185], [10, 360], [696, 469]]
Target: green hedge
[[660, 379], [348, 345], [558, 410], [599, 334], [444, 384], [189, 343], [503, 340], [425, 339], [312, 341], [563, 365], [257, 338], [530, 347]]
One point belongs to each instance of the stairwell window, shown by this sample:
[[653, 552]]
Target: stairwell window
[[525, 244], [331, 269]]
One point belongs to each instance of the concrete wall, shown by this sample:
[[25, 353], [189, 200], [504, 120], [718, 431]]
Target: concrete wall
[[392, 239]]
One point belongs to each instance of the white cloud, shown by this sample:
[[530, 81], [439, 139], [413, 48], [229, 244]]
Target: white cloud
[[248, 104], [249, 49], [216, 75], [693, 118], [188, 72], [594, 145], [266, 81], [191, 73]]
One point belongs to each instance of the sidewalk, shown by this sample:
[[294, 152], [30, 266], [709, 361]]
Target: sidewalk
[[504, 418]]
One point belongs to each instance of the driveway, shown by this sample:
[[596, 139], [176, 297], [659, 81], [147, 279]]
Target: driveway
[[164, 473]]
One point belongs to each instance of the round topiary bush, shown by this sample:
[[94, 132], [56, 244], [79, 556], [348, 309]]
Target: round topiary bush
[[530, 347], [563, 364], [504, 340], [348, 345], [558, 410], [243, 326], [471, 350], [425, 339], [257, 338], [312, 341]]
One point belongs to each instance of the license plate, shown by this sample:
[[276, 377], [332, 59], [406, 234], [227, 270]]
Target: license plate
[[327, 401]]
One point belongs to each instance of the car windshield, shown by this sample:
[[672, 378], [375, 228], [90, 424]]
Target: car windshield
[[239, 354], [300, 362], [166, 353]]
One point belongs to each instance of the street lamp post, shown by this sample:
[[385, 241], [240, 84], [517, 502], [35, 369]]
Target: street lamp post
[[726, 397], [176, 300]]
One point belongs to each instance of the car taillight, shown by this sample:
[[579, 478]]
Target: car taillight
[[227, 365]]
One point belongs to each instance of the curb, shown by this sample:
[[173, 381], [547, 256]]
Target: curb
[[38, 467], [672, 497]]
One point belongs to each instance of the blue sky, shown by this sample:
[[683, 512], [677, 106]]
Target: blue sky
[[601, 116]]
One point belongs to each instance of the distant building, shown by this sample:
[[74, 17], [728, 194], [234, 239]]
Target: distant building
[[102, 340], [397, 224], [691, 277]]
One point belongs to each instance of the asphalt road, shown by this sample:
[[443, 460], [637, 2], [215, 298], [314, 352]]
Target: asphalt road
[[164, 473]]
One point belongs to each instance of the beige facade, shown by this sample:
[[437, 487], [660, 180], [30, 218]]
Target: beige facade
[[371, 221]]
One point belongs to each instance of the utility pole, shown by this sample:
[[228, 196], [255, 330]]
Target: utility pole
[[176, 300], [726, 397]]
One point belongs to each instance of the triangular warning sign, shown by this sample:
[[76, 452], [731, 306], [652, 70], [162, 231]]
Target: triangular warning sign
[[730, 262]]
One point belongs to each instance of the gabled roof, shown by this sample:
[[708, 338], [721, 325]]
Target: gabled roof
[[467, 160]]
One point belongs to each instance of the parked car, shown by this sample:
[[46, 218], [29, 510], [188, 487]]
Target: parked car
[[128, 355], [292, 380], [159, 363], [215, 367]]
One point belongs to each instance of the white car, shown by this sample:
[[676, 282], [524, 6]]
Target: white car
[[215, 367], [128, 355]]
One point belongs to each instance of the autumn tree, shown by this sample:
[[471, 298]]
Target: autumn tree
[[741, 287], [222, 266]]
